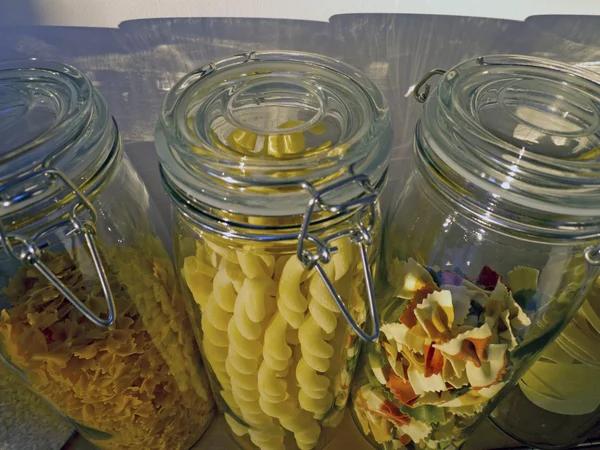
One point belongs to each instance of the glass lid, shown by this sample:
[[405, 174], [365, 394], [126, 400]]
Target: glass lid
[[244, 133], [523, 129], [50, 118]]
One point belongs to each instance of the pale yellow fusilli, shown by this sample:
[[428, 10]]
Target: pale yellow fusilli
[[268, 327]]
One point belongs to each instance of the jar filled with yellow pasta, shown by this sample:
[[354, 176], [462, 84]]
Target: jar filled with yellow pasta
[[275, 162], [91, 316]]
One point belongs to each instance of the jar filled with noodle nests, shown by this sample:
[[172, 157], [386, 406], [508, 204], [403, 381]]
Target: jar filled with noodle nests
[[91, 316], [488, 252], [274, 163]]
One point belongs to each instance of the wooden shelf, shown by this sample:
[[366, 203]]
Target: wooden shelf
[[348, 437]]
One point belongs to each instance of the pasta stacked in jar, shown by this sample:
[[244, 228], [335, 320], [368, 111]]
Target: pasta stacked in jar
[[275, 175]]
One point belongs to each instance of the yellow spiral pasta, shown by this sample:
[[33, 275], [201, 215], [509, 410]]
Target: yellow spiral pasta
[[226, 253], [276, 351], [255, 266], [316, 353], [266, 440], [248, 348], [235, 274], [247, 328], [258, 297], [324, 317], [216, 315], [215, 323], [236, 428], [291, 303], [198, 275], [268, 327], [271, 384], [312, 342], [223, 291]]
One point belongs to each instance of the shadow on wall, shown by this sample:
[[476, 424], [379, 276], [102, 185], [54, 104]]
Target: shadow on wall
[[134, 65]]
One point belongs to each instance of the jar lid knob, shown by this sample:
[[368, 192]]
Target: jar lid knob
[[360, 233]]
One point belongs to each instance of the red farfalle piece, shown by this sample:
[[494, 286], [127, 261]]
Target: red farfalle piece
[[434, 361], [391, 412], [488, 278], [401, 389]]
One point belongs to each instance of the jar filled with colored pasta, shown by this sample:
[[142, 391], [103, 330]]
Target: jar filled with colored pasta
[[488, 251], [91, 316], [274, 163]]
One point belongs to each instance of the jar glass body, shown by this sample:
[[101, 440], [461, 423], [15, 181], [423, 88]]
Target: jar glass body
[[455, 357], [275, 162], [28, 421], [555, 404], [135, 380], [280, 356], [127, 385], [489, 251]]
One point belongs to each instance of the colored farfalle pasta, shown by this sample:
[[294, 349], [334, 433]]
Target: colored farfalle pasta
[[445, 351], [128, 386], [279, 352]]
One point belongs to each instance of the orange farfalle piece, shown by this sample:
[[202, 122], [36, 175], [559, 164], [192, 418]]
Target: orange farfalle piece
[[434, 361], [470, 346], [401, 389], [405, 439], [408, 318], [474, 350], [498, 379], [391, 412]]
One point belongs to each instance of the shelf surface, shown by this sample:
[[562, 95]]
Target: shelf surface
[[347, 437]]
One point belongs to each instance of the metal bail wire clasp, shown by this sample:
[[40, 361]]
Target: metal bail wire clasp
[[358, 233], [422, 96], [30, 252]]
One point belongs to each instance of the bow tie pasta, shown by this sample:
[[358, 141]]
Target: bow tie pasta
[[128, 386], [444, 352]]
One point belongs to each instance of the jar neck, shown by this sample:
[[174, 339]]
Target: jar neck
[[514, 214], [55, 200], [261, 228]]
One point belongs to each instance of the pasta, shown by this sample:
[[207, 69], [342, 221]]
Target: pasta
[[270, 331], [444, 352], [131, 385]]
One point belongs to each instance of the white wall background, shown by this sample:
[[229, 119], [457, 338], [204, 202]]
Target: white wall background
[[109, 13]]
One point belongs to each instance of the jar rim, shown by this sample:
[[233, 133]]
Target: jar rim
[[519, 136], [283, 104], [57, 121]]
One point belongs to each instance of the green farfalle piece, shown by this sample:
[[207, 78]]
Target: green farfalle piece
[[523, 278]]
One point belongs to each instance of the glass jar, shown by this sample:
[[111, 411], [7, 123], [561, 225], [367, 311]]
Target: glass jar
[[27, 421], [91, 316], [275, 162], [557, 402], [489, 250]]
